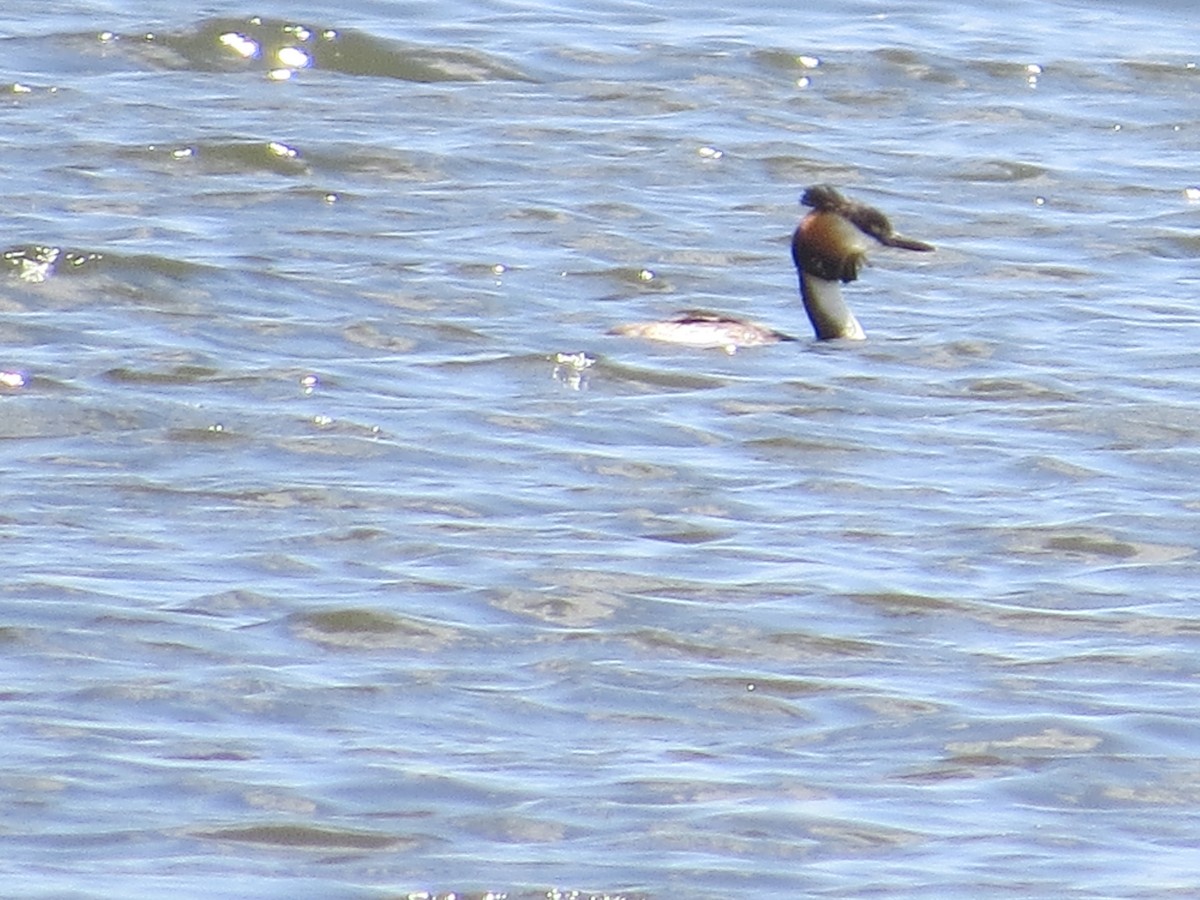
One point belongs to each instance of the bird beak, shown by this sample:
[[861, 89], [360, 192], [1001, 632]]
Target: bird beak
[[895, 240]]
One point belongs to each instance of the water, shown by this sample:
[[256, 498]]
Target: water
[[348, 555]]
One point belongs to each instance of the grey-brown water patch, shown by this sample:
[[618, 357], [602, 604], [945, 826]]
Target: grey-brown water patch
[[369, 629], [1179, 790], [307, 837], [373, 337], [1008, 389], [576, 607], [895, 603], [1094, 546], [790, 449], [1048, 742], [516, 829], [275, 47]]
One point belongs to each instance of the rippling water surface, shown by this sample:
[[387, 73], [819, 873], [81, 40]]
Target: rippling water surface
[[347, 554]]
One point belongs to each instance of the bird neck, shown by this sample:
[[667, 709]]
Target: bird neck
[[830, 316]]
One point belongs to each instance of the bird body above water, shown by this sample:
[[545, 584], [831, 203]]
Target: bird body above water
[[829, 247], [706, 330]]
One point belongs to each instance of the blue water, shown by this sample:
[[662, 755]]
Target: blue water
[[348, 554]]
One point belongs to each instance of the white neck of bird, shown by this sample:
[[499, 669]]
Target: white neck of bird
[[830, 316]]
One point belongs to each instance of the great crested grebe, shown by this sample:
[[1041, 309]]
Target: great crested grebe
[[828, 247]]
